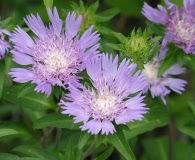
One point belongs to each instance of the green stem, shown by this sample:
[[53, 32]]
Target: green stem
[[171, 135], [46, 136], [90, 149], [26, 120], [58, 137]]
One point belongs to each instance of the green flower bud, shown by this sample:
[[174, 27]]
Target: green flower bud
[[138, 47]]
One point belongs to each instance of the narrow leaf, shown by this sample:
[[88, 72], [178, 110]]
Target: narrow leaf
[[120, 37], [69, 152], [56, 120], [106, 154], [16, 129], [36, 152], [188, 128], [28, 98], [114, 46], [25, 90], [107, 15], [192, 106], [167, 63], [157, 117], [48, 3], [159, 145], [84, 137], [93, 7], [7, 156], [6, 22], [121, 144], [187, 150], [2, 76]]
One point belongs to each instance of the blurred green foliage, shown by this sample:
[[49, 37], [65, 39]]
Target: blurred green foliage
[[31, 126]]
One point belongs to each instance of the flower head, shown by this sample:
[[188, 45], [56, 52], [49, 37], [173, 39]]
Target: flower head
[[54, 56], [161, 86], [179, 23], [4, 45], [139, 46], [110, 99]]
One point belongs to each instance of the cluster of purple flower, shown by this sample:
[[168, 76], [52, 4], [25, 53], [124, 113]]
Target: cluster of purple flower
[[55, 56], [179, 23], [4, 45]]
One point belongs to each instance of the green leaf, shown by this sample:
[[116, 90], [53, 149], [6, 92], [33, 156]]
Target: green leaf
[[6, 109], [192, 106], [104, 30], [167, 63], [190, 61], [93, 7], [6, 22], [84, 137], [157, 117], [120, 37], [79, 155], [114, 46], [28, 98], [69, 152], [2, 76], [32, 114], [29, 158], [82, 5], [155, 28], [13, 129], [48, 3], [188, 127], [56, 120], [180, 57], [129, 7], [121, 144], [7, 156], [177, 2], [25, 90], [107, 15], [36, 152], [106, 154], [187, 149], [156, 148]]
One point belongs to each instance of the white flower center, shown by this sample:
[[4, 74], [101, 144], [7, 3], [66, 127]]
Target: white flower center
[[104, 106], [55, 62], [56, 58], [151, 71], [184, 30]]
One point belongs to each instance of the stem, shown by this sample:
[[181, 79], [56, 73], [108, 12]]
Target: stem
[[90, 149], [171, 136], [26, 120], [46, 136], [58, 137]]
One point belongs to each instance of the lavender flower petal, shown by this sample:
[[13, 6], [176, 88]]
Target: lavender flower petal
[[154, 14], [72, 25], [109, 99], [55, 56], [179, 23]]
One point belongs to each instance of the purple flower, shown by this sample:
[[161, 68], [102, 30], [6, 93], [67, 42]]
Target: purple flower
[[110, 97], [161, 86], [179, 23], [4, 45], [158, 16], [54, 56]]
